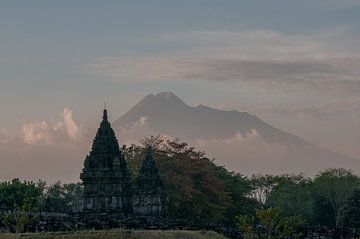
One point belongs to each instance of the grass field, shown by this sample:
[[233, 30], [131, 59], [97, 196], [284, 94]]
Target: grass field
[[117, 234]]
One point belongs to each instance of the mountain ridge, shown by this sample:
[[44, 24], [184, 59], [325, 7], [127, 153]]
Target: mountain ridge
[[166, 114], [166, 99]]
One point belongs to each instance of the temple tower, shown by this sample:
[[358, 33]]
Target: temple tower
[[150, 198], [106, 178]]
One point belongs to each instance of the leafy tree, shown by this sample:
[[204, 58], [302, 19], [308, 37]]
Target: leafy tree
[[262, 187], [20, 217], [15, 193], [62, 197], [239, 189], [329, 192], [292, 194], [20, 200], [247, 224], [54, 200], [270, 223], [349, 213], [275, 225], [73, 193]]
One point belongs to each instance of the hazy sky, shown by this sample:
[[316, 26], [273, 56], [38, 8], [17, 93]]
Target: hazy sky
[[295, 64]]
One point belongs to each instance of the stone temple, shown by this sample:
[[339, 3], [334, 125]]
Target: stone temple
[[110, 194], [149, 197]]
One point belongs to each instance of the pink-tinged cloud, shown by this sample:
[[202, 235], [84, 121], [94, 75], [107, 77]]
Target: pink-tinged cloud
[[4, 135], [45, 132]]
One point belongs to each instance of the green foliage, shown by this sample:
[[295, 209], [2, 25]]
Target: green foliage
[[17, 194], [20, 218], [247, 224], [262, 187], [292, 194], [239, 188], [62, 197], [118, 233], [275, 225], [315, 201], [22, 198], [269, 223], [330, 190], [349, 213], [21, 201]]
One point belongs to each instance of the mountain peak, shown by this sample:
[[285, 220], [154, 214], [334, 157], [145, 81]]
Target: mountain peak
[[169, 97], [166, 95], [166, 100], [161, 99]]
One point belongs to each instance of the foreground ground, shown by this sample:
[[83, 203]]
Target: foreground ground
[[117, 234]]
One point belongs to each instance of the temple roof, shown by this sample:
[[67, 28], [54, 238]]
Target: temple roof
[[105, 157], [149, 179], [148, 167], [105, 140]]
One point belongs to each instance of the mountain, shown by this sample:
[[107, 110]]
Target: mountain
[[240, 141]]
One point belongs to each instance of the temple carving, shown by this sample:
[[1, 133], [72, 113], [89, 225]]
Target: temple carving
[[110, 193]]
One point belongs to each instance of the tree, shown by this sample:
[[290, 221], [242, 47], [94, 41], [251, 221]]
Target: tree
[[292, 194], [73, 193], [262, 187], [62, 197], [20, 217], [239, 189], [270, 223], [247, 225], [54, 200], [330, 190], [349, 213], [20, 199]]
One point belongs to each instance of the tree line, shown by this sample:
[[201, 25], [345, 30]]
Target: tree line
[[203, 193]]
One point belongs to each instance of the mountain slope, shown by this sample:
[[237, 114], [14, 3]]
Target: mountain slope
[[239, 140]]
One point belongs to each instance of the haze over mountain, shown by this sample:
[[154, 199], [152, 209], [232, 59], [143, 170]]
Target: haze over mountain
[[240, 141], [299, 72]]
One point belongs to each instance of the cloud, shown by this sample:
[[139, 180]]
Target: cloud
[[237, 138], [248, 146], [260, 58], [4, 136], [72, 129], [143, 120], [48, 133], [332, 124], [338, 74], [132, 133], [47, 150], [36, 132], [345, 108], [341, 3]]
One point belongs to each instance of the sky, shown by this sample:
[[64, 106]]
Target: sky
[[295, 64]]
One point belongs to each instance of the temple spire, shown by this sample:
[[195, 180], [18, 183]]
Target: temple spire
[[105, 116], [150, 198], [148, 167], [149, 153], [106, 178]]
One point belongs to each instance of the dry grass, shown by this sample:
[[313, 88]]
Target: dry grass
[[117, 234]]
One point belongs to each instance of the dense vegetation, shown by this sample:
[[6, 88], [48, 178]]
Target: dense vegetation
[[117, 234], [204, 193]]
